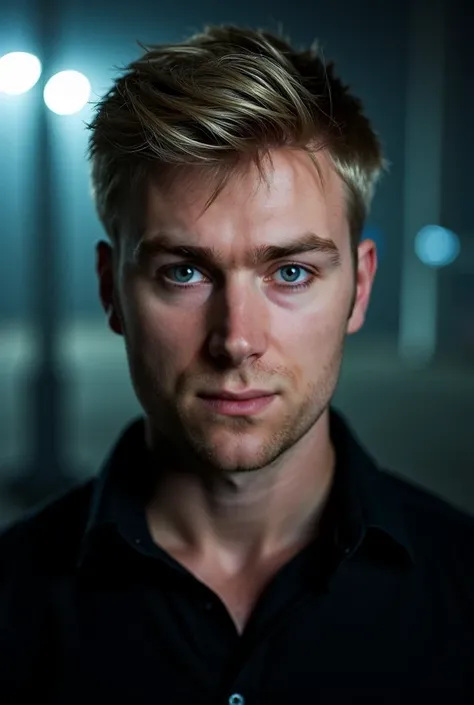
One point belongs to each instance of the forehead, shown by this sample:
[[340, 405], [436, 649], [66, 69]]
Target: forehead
[[294, 197]]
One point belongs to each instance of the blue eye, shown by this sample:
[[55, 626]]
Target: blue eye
[[291, 277], [183, 273], [291, 273]]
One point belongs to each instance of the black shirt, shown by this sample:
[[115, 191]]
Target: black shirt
[[378, 609]]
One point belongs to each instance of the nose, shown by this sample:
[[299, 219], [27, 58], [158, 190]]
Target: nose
[[239, 324]]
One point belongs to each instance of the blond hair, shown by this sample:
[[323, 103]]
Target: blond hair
[[225, 96]]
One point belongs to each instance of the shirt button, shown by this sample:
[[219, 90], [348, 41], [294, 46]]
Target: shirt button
[[236, 699]]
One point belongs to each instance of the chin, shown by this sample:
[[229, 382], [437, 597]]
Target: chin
[[240, 452]]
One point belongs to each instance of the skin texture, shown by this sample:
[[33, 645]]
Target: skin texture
[[234, 492]]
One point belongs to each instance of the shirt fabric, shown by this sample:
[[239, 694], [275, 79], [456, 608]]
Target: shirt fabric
[[379, 608]]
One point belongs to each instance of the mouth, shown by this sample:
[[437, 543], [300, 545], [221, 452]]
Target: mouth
[[246, 403]]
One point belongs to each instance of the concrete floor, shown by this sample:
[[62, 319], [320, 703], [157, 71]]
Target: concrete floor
[[417, 422]]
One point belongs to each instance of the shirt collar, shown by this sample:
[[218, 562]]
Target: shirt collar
[[364, 495], [361, 504], [124, 481]]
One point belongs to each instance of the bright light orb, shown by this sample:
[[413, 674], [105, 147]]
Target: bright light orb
[[67, 92], [19, 72], [436, 246]]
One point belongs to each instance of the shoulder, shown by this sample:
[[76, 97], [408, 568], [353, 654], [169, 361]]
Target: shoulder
[[46, 536], [437, 528], [34, 552], [426, 505]]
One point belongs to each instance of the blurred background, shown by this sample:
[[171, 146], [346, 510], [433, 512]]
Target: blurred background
[[407, 384]]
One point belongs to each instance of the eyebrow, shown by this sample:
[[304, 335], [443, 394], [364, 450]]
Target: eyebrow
[[162, 243]]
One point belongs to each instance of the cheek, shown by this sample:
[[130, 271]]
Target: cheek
[[308, 345], [164, 339], [307, 334]]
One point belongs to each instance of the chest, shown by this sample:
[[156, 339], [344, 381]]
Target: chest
[[240, 591], [119, 640], [239, 597]]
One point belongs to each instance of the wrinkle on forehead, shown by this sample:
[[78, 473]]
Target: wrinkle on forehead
[[196, 183], [295, 196]]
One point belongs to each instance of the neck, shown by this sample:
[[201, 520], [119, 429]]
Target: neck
[[246, 516]]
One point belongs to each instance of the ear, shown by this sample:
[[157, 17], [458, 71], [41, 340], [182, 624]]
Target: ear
[[107, 286], [365, 275]]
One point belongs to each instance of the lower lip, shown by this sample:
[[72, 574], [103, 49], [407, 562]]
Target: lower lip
[[232, 407]]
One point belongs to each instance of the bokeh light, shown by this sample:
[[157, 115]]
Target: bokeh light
[[436, 246], [19, 72], [67, 92]]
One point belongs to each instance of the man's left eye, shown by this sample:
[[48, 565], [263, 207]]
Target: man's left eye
[[292, 272]]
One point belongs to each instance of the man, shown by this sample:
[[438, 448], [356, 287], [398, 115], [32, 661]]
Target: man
[[239, 546]]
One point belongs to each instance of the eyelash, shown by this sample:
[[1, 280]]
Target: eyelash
[[293, 287]]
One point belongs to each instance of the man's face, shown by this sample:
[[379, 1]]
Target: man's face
[[237, 315]]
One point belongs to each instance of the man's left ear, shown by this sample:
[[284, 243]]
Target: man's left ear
[[364, 279]]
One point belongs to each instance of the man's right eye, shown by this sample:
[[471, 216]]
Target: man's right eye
[[181, 275]]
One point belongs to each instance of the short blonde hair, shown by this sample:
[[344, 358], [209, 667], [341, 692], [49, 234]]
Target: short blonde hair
[[221, 97]]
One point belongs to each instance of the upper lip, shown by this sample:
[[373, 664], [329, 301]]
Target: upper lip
[[237, 396]]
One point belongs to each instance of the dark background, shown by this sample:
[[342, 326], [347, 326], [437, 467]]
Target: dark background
[[418, 419]]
